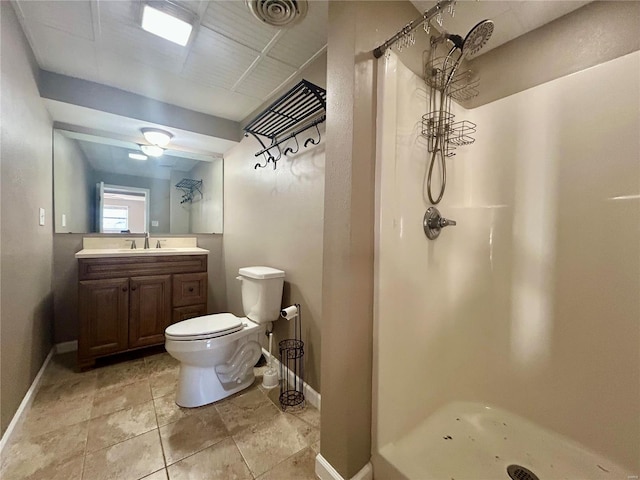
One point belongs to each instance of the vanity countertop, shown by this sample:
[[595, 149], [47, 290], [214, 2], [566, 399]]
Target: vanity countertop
[[128, 252]]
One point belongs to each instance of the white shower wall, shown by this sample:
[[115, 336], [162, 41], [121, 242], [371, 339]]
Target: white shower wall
[[532, 302]]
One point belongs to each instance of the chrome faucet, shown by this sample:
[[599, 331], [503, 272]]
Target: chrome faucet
[[146, 240], [133, 243], [158, 243]]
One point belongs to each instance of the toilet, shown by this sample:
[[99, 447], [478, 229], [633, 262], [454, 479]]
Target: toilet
[[217, 352]]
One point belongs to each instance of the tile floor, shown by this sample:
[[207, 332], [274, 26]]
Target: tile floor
[[120, 422]]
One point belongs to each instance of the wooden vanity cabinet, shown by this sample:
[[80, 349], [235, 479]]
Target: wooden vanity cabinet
[[126, 303]]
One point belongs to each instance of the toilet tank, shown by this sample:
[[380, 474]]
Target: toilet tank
[[261, 293]]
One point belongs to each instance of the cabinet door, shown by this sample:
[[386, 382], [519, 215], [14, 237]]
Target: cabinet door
[[104, 311], [189, 289], [150, 311]]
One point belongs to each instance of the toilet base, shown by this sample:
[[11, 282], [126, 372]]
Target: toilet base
[[198, 386]]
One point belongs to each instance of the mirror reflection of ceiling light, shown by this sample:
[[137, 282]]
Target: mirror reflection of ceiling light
[[161, 18], [137, 156], [152, 150], [158, 137]]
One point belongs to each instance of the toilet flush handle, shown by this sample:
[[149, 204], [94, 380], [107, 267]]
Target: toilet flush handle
[[239, 278]]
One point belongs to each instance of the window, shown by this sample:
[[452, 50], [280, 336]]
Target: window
[[115, 219]]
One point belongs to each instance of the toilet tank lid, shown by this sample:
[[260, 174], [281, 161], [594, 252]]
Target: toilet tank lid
[[261, 272]]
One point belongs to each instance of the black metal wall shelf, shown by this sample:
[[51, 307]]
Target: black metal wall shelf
[[301, 108], [187, 185]]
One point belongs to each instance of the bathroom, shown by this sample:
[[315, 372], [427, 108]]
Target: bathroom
[[321, 207]]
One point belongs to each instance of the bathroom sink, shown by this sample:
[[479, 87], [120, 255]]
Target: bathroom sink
[[133, 252], [139, 251]]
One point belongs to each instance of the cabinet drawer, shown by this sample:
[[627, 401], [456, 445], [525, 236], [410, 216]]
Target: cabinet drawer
[[189, 289], [118, 267], [184, 313]]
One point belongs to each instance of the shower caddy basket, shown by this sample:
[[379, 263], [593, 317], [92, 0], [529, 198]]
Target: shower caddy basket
[[439, 123]]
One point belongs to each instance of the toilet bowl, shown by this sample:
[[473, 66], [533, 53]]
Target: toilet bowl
[[217, 352]]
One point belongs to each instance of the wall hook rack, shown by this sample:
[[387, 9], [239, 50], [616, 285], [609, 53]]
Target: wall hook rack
[[188, 186], [301, 108]]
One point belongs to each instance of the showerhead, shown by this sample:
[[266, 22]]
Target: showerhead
[[477, 37]]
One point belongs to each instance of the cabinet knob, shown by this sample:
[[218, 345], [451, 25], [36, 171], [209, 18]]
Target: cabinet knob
[[133, 289], [124, 289], [191, 289]]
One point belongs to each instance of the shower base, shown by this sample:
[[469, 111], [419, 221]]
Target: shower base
[[469, 441]]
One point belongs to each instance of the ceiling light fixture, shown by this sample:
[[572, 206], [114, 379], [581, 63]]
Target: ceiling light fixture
[[152, 150], [137, 156], [158, 137], [168, 20]]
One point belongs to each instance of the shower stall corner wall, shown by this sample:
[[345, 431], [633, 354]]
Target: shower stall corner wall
[[514, 337]]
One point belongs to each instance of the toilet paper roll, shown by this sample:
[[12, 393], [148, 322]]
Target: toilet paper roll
[[289, 312]]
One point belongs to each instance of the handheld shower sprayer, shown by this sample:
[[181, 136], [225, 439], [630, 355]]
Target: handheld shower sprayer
[[470, 45]]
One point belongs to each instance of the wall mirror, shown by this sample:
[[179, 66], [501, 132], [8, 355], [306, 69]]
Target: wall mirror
[[100, 188]]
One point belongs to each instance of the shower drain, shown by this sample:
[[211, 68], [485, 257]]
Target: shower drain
[[518, 472]]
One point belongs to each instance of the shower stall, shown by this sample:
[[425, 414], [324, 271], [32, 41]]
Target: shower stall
[[512, 340]]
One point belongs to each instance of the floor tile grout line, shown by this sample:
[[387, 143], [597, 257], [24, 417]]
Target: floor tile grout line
[[253, 475], [128, 407], [286, 459], [164, 456], [121, 441], [196, 452]]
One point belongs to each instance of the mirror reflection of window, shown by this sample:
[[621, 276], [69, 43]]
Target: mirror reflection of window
[[115, 219], [124, 209]]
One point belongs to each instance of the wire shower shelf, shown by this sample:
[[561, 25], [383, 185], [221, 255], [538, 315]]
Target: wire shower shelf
[[438, 125]]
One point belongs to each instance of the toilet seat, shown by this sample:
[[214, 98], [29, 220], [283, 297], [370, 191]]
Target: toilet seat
[[205, 327]]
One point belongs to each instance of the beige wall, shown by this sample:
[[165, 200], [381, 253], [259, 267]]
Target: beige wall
[[274, 218], [73, 180], [529, 303], [26, 247], [355, 29]]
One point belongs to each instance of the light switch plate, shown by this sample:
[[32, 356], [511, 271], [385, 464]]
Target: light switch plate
[[42, 216], [154, 223], [64, 220]]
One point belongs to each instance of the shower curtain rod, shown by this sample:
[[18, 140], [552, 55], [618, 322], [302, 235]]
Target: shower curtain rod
[[411, 26]]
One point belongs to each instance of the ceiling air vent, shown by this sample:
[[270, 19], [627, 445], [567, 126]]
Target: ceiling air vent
[[278, 13]]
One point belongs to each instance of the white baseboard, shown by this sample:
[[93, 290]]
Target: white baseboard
[[325, 471], [310, 395], [25, 404], [66, 347]]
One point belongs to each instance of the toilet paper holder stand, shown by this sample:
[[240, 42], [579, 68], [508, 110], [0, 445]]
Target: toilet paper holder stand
[[292, 361]]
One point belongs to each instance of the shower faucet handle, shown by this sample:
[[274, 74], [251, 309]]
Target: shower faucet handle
[[433, 223], [445, 222]]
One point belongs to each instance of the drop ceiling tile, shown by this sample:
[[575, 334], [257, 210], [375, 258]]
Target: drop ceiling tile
[[121, 34], [73, 17], [61, 52], [234, 20], [131, 76], [300, 42], [265, 78], [217, 60]]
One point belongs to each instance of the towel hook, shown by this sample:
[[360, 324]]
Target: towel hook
[[270, 158], [267, 158], [311, 140], [291, 150]]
